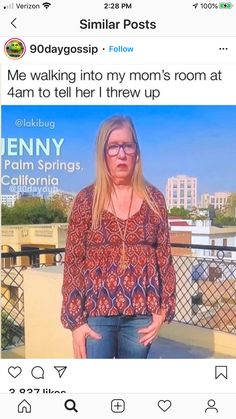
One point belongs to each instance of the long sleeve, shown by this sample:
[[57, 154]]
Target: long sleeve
[[73, 289], [165, 265]]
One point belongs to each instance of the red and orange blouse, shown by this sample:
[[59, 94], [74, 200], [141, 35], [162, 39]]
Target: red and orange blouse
[[93, 283]]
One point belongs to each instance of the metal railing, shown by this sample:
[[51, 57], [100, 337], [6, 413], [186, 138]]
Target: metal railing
[[206, 287], [12, 290], [205, 293]]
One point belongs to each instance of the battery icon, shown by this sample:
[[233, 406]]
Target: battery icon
[[225, 5]]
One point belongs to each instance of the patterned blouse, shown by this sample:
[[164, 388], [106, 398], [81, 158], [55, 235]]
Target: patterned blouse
[[93, 283]]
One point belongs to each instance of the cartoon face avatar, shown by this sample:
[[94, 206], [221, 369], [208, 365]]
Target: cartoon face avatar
[[15, 48]]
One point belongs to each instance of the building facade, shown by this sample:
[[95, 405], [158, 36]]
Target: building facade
[[218, 200], [8, 200], [203, 233], [181, 192]]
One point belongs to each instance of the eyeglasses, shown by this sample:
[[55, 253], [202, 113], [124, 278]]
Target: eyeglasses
[[114, 149]]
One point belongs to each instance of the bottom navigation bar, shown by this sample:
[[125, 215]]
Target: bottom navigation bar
[[129, 406]]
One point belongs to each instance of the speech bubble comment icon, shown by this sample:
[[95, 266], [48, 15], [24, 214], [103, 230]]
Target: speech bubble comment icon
[[37, 372]]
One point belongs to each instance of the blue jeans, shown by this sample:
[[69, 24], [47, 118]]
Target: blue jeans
[[120, 337]]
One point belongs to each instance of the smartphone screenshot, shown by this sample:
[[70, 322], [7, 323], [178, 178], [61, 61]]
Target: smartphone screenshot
[[118, 209]]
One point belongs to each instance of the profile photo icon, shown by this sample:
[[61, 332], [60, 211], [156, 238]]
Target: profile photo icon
[[15, 48]]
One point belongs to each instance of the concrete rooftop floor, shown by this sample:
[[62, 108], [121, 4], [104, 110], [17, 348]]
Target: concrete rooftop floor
[[162, 348], [166, 348]]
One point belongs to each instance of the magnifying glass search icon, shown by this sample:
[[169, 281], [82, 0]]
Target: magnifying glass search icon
[[70, 405]]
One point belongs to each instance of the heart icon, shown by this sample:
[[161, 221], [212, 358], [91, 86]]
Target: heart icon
[[164, 405], [14, 371]]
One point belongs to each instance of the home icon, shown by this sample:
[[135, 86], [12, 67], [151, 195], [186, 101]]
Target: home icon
[[24, 407]]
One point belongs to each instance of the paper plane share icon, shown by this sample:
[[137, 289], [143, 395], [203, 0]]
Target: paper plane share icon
[[60, 370]]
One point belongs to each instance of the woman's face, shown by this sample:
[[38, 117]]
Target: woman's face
[[121, 160]]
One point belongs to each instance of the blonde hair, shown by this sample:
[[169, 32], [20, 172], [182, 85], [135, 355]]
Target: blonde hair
[[103, 183]]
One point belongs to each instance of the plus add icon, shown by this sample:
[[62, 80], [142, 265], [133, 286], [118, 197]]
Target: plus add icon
[[117, 405]]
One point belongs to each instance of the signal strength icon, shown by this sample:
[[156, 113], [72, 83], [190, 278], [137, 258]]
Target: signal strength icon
[[46, 5], [9, 6]]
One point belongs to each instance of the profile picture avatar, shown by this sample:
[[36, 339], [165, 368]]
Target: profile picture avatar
[[15, 48]]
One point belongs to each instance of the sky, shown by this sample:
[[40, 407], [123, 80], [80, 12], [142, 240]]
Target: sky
[[197, 141]]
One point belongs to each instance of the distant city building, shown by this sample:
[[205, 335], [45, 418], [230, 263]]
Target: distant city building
[[67, 196], [181, 192], [218, 200], [29, 195], [203, 233], [9, 200]]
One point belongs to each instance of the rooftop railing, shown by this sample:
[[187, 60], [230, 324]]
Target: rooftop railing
[[205, 288]]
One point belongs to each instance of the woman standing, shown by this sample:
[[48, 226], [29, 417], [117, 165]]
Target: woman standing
[[119, 280]]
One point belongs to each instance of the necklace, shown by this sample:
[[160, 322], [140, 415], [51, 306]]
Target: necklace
[[123, 263]]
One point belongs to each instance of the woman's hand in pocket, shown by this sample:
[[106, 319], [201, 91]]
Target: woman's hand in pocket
[[79, 337], [150, 332]]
